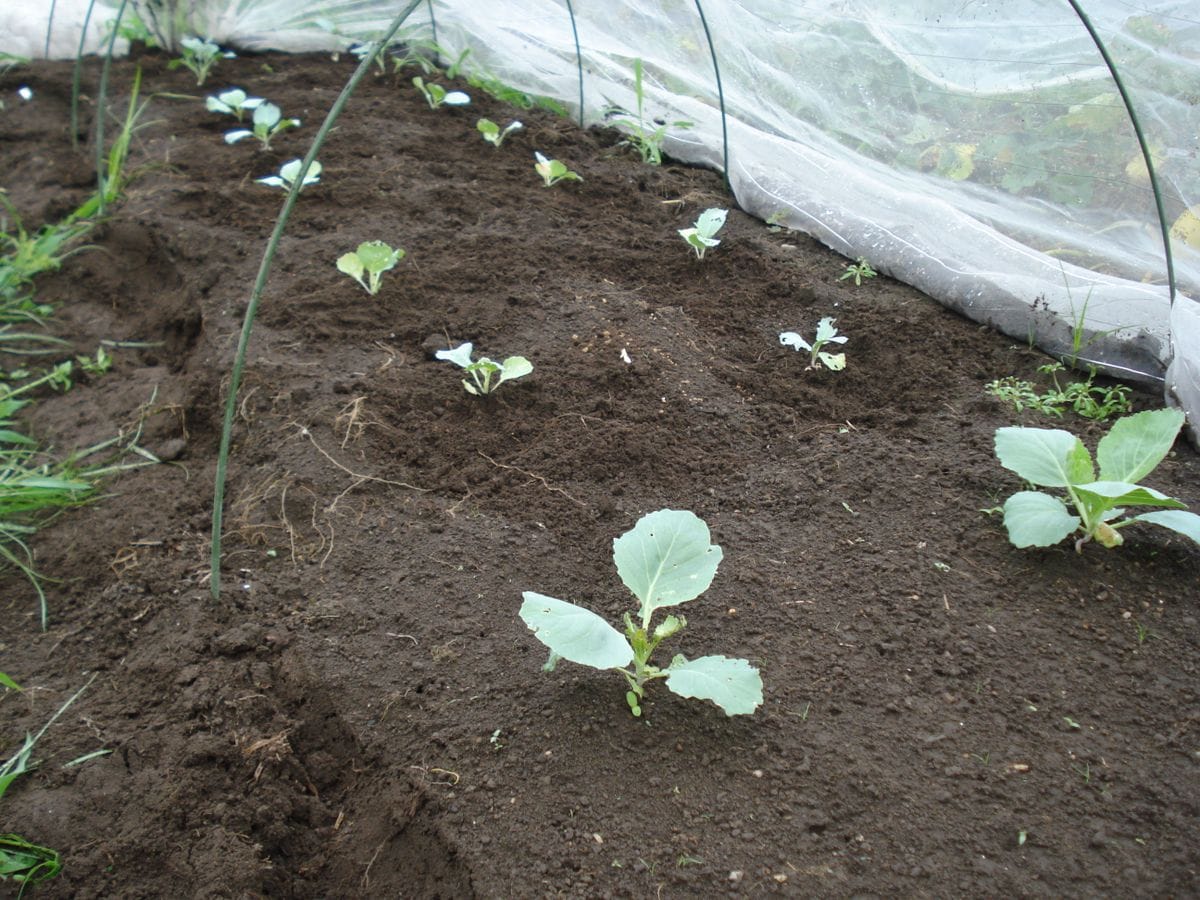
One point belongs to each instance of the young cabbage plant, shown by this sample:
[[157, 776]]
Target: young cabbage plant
[[700, 236], [288, 173], [268, 122], [484, 370], [553, 171], [372, 259], [436, 95], [233, 102], [827, 333], [665, 559], [198, 56], [493, 133], [1051, 457]]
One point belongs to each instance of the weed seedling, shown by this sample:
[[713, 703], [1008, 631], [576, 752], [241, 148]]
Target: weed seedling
[[198, 56], [553, 171], [436, 95], [700, 236], [288, 173], [1142, 633], [646, 137], [233, 102], [1083, 397], [268, 121], [483, 370], [858, 271], [493, 133], [827, 333], [1048, 457], [372, 259], [665, 559]]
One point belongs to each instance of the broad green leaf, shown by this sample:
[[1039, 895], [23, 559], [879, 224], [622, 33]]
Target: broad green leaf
[[575, 633], [1122, 493], [1049, 457], [350, 264], [709, 223], [827, 331], [266, 116], [793, 340], [376, 256], [240, 134], [835, 362], [514, 367], [1034, 519], [1186, 523], [732, 684], [665, 559], [1136, 444]]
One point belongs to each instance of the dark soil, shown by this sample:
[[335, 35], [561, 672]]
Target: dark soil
[[362, 713]]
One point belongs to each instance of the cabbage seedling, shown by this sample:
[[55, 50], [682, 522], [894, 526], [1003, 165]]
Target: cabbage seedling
[[287, 175], [198, 56], [700, 236], [436, 95], [826, 334], [493, 133], [553, 171], [665, 559], [268, 122], [372, 259], [232, 102], [483, 370], [1051, 457]]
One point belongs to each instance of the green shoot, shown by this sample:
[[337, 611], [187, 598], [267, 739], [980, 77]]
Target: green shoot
[[372, 258], [700, 236], [198, 56], [268, 122], [483, 370], [289, 172], [665, 559], [1083, 397], [858, 271], [645, 137], [827, 333], [493, 133], [233, 102], [1046, 457], [436, 95], [26, 863], [553, 171]]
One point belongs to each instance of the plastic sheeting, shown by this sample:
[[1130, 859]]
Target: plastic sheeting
[[980, 151]]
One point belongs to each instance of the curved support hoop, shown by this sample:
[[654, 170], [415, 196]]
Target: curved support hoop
[[49, 28], [720, 93], [260, 283], [432, 21], [578, 58], [1141, 137]]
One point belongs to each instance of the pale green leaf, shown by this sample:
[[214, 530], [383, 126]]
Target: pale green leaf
[[732, 684], [1034, 519], [1122, 493], [350, 264], [1049, 457], [835, 362], [1186, 523], [460, 355], [8, 682], [376, 256], [1137, 443], [514, 367], [575, 633], [709, 223], [665, 559]]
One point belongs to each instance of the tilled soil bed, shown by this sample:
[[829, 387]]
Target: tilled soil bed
[[362, 713]]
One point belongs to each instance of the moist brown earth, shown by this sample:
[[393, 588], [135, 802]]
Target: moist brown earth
[[362, 713]]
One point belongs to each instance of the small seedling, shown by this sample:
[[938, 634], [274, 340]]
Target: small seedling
[[553, 171], [665, 559], [26, 863], [288, 173], [99, 364], [646, 137], [436, 95], [483, 370], [493, 133], [268, 122], [827, 333], [372, 259], [362, 51], [233, 102], [858, 271], [1050, 457], [1087, 399], [700, 236], [1142, 632], [198, 56]]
